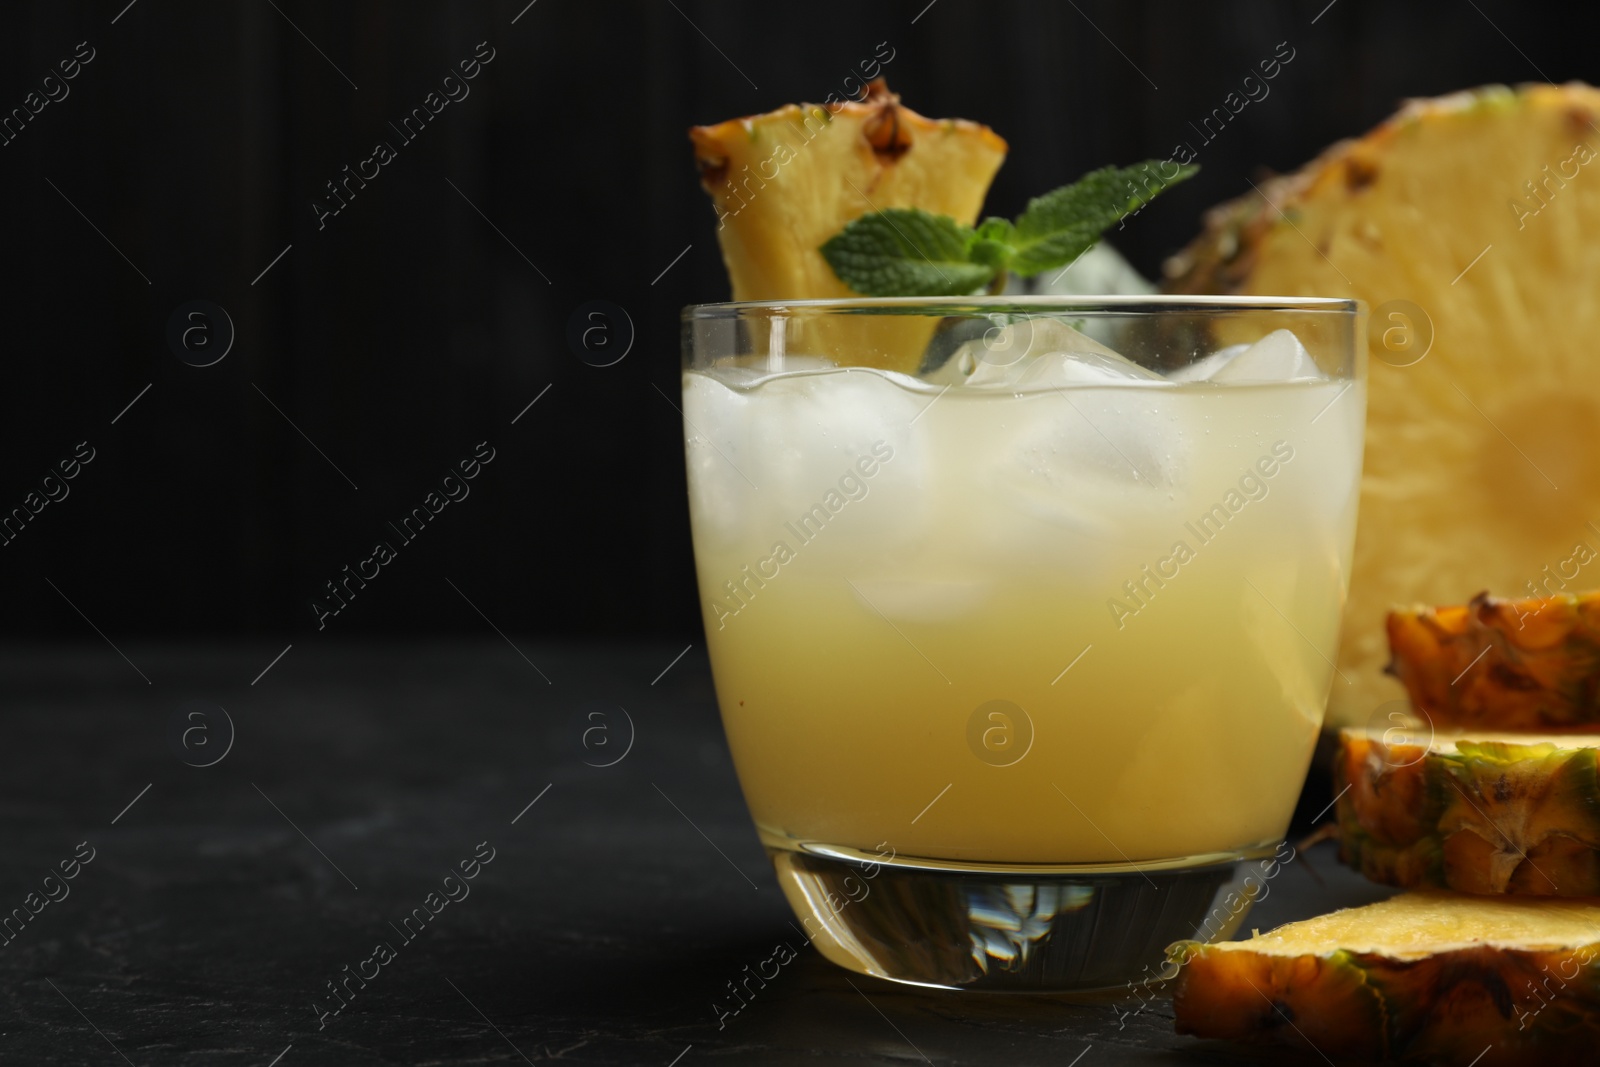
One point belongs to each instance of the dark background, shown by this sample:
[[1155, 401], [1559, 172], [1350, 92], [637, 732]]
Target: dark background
[[413, 327]]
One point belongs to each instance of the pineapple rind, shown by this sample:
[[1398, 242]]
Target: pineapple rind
[[1529, 664], [1492, 817], [1486, 1001], [1324, 1001]]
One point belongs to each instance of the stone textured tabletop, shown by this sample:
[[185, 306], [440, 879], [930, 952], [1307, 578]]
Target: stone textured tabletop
[[225, 888]]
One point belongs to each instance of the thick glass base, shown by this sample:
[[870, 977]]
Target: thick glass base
[[1029, 928]]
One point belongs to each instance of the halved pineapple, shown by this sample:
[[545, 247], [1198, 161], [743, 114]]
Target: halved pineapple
[[1431, 976], [1482, 209], [786, 181], [1529, 664], [1481, 813]]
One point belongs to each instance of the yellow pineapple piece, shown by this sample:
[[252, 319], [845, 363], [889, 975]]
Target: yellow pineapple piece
[[786, 181], [1482, 209], [1432, 976], [1524, 664], [1480, 812]]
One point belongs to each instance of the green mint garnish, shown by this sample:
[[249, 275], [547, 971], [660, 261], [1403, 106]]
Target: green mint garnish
[[911, 252], [907, 252]]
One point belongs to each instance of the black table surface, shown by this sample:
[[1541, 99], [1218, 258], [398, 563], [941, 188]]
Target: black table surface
[[221, 900]]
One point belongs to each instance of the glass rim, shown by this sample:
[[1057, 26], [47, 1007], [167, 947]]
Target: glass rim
[[1077, 304]]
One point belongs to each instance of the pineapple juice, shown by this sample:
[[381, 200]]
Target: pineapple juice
[[1093, 623]]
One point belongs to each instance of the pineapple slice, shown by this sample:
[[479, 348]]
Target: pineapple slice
[[1529, 664], [1433, 976], [785, 182], [1480, 813], [1479, 208]]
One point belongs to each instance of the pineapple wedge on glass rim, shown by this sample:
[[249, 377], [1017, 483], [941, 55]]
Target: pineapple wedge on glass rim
[[784, 182], [1468, 224]]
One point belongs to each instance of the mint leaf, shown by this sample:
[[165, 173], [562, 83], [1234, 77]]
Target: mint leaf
[[994, 246], [998, 230], [1061, 225], [906, 252], [911, 252]]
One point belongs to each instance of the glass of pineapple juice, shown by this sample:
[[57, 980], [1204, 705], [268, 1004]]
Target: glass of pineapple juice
[[1022, 612]]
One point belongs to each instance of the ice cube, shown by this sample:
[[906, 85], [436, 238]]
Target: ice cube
[[1277, 357], [748, 374], [1205, 369], [1037, 353], [1069, 445], [1084, 459], [994, 359], [762, 455], [1098, 272], [1056, 369]]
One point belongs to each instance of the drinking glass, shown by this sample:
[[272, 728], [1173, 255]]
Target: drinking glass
[[1022, 612]]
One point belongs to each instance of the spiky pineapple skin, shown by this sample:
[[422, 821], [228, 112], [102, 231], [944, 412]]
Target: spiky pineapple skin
[[1247, 996], [1465, 448], [1490, 818], [1488, 1006], [1528, 664]]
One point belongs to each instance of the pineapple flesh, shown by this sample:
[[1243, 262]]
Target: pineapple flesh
[[1431, 976], [1510, 813], [1530, 664], [1479, 208], [784, 182]]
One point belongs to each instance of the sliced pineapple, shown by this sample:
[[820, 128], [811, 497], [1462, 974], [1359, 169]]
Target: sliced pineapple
[[1481, 813], [1481, 209], [1531, 664], [1430, 976], [786, 181]]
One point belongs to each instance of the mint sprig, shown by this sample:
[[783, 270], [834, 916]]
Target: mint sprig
[[907, 252], [911, 252]]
